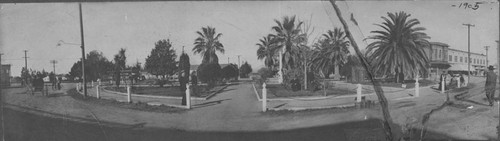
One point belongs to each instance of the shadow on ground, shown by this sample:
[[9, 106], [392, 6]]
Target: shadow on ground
[[32, 127]]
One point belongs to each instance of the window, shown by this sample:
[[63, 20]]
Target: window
[[439, 53], [450, 58], [456, 60], [465, 60], [435, 53], [474, 60]]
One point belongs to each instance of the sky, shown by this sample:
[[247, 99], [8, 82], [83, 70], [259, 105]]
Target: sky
[[136, 26]]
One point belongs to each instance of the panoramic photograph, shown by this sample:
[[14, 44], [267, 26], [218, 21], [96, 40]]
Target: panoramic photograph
[[250, 70]]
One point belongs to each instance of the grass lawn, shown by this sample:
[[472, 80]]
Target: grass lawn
[[278, 91], [409, 83], [200, 91], [135, 106]]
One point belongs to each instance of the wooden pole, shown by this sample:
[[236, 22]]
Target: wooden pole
[[378, 90]]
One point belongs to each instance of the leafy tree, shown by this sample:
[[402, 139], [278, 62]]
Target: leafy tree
[[331, 51], [245, 70], [230, 71], [209, 73], [267, 50], [398, 48], [120, 60], [207, 44], [161, 61], [97, 65]]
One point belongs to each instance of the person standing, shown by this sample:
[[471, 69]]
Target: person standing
[[462, 80], [491, 80]]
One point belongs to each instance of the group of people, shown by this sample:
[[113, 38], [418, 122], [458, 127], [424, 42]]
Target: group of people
[[454, 79], [56, 82]]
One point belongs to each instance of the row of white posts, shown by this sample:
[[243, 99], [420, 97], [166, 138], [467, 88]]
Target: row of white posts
[[358, 93], [129, 95]]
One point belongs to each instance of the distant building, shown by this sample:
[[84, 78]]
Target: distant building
[[5, 76], [443, 58]]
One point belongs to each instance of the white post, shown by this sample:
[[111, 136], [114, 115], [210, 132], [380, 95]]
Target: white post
[[458, 82], [358, 94], [417, 86], [128, 95], [264, 97], [188, 97], [98, 92], [92, 83], [77, 86], [442, 84]]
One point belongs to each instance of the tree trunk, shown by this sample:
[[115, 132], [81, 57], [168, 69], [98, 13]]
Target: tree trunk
[[376, 85], [337, 74]]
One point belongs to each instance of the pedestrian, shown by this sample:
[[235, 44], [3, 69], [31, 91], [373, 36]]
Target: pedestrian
[[59, 80], [491, 80], [462, 80]]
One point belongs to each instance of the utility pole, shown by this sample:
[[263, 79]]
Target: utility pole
[[239, 67], [1, 99], [83, 51], [54, 62], [25, 59], [486, 48], [468, 50]]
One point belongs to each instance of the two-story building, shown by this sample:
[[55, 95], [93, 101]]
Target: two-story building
[[459, 62], [443, 58]]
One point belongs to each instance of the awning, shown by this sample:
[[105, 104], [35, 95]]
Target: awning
[[460, 67]]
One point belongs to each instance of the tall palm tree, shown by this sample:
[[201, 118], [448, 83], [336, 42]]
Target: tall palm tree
[[267, 50], [208, 44], [399, 48], [289, 40], [331, 52]]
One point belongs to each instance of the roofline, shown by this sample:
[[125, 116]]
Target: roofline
[[466, 52], [440, 44]]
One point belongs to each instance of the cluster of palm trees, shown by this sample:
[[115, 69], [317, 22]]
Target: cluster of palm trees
[[397, 50], [288, 45]]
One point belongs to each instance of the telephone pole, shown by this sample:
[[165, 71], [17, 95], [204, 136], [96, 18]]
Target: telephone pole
[[54, 62], [486, 48], [83, 51], [25, 59], [468, 50], [239, 67]]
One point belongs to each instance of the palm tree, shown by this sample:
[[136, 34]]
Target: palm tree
[[289, 40], [208, 44], [399, 47], [267, 50], [331, 51]]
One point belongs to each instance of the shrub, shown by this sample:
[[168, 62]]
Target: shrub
[[209, 73]]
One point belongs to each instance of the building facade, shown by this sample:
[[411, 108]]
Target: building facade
[[445, 59]]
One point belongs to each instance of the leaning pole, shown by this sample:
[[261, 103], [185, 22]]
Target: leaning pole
[[376, 85]]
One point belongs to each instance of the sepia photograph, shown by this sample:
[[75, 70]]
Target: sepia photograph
[[251, 70]]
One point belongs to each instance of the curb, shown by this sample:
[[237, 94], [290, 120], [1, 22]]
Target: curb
[[296, 109]]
